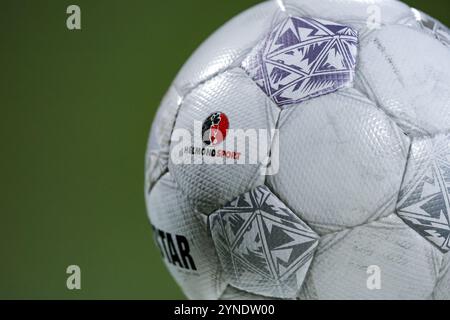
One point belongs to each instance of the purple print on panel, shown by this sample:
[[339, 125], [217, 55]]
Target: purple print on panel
[[303, 58]]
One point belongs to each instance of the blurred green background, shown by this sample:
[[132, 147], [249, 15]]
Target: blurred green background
[[76, 108]]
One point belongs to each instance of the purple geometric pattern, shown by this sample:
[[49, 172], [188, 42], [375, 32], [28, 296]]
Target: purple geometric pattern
[[264, 248], [303, 58]]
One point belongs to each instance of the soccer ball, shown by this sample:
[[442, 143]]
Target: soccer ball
[[303, 152]]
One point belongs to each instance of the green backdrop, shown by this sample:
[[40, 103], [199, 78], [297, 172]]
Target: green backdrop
[[76, 108]]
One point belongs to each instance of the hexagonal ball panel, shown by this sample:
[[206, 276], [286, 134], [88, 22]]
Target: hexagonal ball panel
[[264, 248]]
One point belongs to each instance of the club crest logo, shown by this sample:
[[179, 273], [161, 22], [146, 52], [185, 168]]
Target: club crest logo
[[214, 129]]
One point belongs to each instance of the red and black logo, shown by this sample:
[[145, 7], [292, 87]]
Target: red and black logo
[[214, 129]]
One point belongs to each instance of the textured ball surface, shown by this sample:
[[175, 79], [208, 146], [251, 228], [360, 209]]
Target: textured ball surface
[[351, 198]]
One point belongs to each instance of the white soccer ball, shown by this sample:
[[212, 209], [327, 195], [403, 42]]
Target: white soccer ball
[[303, 152]]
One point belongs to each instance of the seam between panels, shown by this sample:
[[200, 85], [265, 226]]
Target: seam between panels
[[308, 272], [235, 64], [277, 123], [433, 248], [431, 136], [405, 170], [251, 293], [290, 10], [166, 168], [182, 95], [347, 231], [396, 124], [180, 101], [408, 156], [351, 228], [373, 98], [219, 274], [191, 202], [219, 279], [281, 5], [181, 98], [344, 233], [403, 21], [377, 216], [370, 94], [440, 276], [394, 197], [341, 228], [157, 180]]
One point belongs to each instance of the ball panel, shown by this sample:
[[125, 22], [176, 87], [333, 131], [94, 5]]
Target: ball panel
[[264, 248], [442, 289], [424, 202], [303, 58], [232, 293], [342, 157], [157, 156], [341, 161], [227, 45], [185, 243], [217, 180], [433, 27], [406, 72], [408, 265], [358, 14]]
